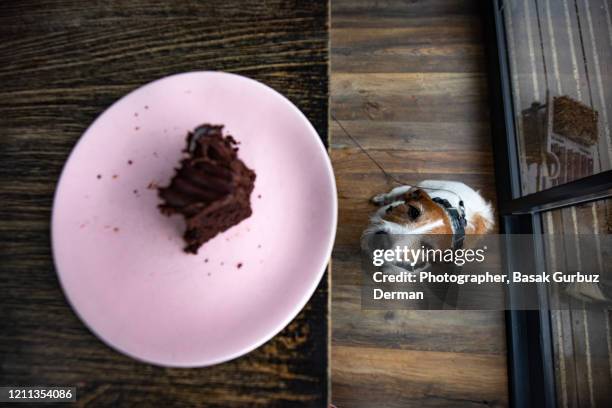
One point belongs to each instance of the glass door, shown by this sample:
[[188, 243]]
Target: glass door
[[550, 66], [559, 54], [581, 330]]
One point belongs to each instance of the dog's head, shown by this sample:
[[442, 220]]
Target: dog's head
[[414, 213], [407, 222]]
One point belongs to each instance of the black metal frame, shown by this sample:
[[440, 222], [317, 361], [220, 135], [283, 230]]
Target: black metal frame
[[530, 347], [587, 189]]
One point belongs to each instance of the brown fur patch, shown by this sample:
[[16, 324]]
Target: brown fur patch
[[479, 225], [430, 212]]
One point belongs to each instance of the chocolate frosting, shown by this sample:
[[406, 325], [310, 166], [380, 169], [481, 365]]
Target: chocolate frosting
[[211, 188]]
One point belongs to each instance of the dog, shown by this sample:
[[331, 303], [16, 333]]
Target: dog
[[407, 213], [417, 209], [431, 215]]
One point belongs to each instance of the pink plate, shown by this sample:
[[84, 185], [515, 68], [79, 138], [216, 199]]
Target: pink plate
[[120, 262]]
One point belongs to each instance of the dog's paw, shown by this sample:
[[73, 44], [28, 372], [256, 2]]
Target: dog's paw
[[379, 199]]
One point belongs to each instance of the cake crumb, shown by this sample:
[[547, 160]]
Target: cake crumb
[[115, 176], [135, 191], [259, 246], [206, 260], [130, 162], [258, 195], [99, 176], [152, 186], [239, 265], [208, 273], [136, 127], [116, 229], [221, 263], [146, 107], [135, 114]]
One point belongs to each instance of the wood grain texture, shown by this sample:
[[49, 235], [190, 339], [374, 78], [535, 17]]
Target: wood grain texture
[[61, 64], [433, 379], [408, 81]]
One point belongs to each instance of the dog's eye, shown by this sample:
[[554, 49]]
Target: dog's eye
[[413, 212]]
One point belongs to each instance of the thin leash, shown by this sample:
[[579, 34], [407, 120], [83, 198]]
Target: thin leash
[[389, 176]]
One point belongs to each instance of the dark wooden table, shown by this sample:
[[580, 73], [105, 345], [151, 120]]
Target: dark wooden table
[[61, 64]]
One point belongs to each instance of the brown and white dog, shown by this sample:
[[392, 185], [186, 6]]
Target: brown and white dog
[[407, 213]]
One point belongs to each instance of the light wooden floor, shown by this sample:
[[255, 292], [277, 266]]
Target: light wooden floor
[[408, 81]]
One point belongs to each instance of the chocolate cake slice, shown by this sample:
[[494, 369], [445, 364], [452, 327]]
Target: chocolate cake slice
[[211, 188]]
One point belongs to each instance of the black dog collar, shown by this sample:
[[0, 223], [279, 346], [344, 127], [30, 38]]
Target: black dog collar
[[457, 218]]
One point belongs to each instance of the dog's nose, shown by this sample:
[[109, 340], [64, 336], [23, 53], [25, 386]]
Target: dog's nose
[[381, 232]]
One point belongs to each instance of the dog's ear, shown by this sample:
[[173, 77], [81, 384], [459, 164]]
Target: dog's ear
[[416, 194]]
